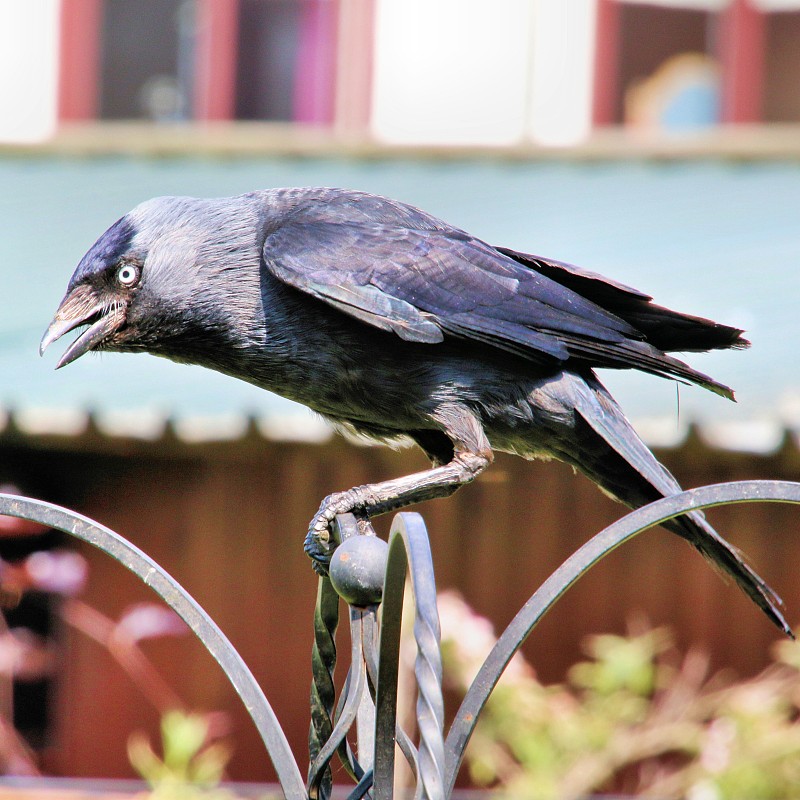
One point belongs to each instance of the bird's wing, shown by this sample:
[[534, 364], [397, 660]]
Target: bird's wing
[[425, 282], [665, 329]]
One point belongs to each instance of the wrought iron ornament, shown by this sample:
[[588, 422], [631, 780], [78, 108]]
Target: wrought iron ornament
[[368, 700]]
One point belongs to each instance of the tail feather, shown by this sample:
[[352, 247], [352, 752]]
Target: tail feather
[[632, 474], [728, 559]]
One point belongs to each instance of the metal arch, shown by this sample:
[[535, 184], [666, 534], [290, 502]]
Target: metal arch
[[184, 605], [574, 567], [409, 550]]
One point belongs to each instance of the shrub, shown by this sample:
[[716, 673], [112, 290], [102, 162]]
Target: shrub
[[633, 717]]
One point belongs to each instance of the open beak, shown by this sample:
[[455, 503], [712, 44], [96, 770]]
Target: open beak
[[82, 306]]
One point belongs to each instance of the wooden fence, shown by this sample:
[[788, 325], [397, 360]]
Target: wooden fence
[[228, 520]]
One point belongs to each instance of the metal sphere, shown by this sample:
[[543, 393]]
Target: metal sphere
[[357, 569]]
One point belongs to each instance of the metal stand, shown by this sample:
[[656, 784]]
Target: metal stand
[[368, 700]]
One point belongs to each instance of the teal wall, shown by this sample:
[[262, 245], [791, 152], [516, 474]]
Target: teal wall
[[717, 238]]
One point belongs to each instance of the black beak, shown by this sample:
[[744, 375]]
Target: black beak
[[82, 306]]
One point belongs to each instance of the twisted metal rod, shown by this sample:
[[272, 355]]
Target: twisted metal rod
[[323, 690], [187, 608], [573, 568], [409, 550], [363, 630], [323, 665], [428, 663]]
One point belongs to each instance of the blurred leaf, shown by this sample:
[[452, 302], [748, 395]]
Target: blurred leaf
[[144, 760], [183, 735], [190, 768], [208, 767], [149, 621], [630, 721], [58, 571]]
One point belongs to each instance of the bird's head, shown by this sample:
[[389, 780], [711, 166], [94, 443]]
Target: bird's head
[[100, 293], [142, 284]]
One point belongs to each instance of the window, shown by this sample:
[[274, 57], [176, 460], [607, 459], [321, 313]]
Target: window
[[286, 60], [650, 39], [146, 61]]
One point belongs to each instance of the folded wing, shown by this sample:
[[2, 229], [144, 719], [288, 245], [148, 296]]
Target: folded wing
[[427, 281]]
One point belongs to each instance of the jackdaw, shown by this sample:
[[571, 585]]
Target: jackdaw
[[395, 325]]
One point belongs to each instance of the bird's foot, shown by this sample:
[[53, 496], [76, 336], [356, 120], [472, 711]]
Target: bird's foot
[[319, 544], [319, 549]]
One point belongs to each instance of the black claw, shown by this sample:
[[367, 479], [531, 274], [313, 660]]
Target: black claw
[[318, 551], [319, 568]]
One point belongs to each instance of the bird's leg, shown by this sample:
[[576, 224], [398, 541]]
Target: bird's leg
[[472, 455], [379, 498]]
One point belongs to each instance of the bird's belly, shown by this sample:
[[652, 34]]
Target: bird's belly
[[366, 397], [380, 406]]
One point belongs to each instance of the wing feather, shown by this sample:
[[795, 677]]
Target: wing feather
[[421, 279]]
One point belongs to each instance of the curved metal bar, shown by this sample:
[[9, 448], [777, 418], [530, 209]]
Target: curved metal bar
[[371, 631], [388, 665], [349, 709], [403, 739], [186, 607], [365, 720], [409, 548], [345, 753], [576, 565], [362, 787], [346, 756]]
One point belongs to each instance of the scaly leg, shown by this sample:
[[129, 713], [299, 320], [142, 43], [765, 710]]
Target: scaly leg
[[472, 456]]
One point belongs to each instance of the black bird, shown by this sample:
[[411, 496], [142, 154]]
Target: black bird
[[396, 325]]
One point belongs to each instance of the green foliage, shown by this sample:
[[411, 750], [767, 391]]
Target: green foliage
[[189, 768], [633, 718]]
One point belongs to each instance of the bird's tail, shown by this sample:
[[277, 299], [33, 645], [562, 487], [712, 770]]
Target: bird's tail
[[613, 455]]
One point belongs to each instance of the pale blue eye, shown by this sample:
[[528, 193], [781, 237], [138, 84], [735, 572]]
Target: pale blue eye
[[127, 275]]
